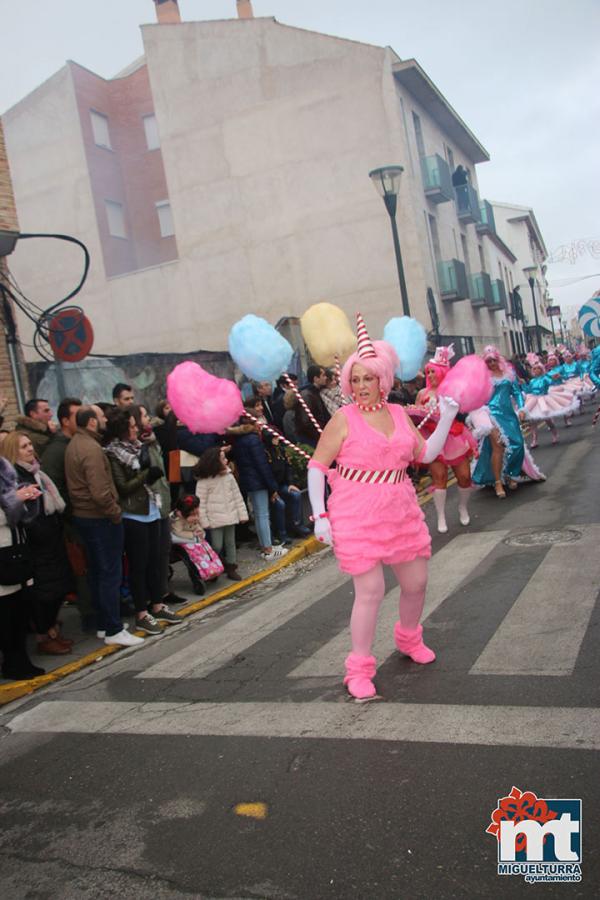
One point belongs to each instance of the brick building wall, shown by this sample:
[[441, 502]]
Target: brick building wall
[[8, 222], [128, 172]]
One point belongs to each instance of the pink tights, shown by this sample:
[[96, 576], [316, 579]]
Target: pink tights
[[369, 589]]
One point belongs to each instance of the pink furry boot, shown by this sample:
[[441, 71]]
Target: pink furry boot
[[411, 644], [360, 670]]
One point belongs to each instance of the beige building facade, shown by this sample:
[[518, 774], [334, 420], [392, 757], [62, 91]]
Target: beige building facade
[[259, 140]]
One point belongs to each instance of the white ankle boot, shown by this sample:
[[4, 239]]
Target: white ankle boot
[[463, 502], [439, 501]]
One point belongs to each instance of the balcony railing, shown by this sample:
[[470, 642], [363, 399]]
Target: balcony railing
[[487, 225], [437, 180], [452, 276], [499, 295], [467, 203], [481, 290]]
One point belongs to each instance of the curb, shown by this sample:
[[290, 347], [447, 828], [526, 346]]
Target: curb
[[17, 689]]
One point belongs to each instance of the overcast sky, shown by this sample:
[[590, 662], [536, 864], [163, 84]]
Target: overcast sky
[[523, 74]]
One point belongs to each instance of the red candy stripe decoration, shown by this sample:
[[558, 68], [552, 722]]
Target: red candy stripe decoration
[[365, 348], [276, 433]]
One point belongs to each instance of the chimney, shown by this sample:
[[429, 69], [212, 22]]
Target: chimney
[[244, 9], [167, 12]]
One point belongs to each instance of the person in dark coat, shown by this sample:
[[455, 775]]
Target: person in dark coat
[[311, 394], [52, 577], [15, 511], [257, 480], [289, 496]]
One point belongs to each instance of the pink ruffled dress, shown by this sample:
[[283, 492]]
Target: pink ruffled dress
[[373, 523]]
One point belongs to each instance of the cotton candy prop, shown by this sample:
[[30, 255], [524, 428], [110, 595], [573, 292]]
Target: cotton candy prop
[[202, 401], [327, 333], [258, 349], [469, 383], [409, 340]]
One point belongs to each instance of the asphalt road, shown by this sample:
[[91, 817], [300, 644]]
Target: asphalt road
[[126, 779]]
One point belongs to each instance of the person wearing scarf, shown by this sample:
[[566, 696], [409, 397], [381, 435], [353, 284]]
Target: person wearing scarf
[[51, 572], [136, 481]]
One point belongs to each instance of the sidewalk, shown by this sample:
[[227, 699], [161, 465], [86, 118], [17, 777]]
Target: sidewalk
[[88, 649]]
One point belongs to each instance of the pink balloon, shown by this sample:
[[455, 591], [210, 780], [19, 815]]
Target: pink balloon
[[202, 401], [469, 383]]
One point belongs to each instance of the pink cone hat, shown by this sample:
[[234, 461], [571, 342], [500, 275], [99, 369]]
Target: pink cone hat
[[364, 348]]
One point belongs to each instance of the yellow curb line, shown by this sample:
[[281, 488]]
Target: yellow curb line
[[17, 689], [425, 498]]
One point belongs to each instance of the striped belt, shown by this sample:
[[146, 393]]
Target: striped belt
[[364, 476]]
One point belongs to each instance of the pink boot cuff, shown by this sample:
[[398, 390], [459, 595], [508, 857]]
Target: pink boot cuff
[[360, 670], [410, 642]]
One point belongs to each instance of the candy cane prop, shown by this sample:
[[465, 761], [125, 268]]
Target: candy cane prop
[[302, 401], [275, 433], [337, 369], [596, 417], [427, 417]]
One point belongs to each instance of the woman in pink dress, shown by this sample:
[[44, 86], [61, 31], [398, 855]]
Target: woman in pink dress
[[460, 446], [373, 516]]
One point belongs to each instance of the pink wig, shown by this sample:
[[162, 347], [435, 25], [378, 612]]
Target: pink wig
[[382, 365], [440, 371], [491, 352]]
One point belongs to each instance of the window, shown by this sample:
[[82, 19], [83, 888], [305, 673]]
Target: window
[[100, 130], [116, 218], [450, 158], [481, 258], [165, 219], [151, 129], [465, 252], [435, 238], [419, 134]]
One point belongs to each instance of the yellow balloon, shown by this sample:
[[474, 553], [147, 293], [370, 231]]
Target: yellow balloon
[[327, 332]]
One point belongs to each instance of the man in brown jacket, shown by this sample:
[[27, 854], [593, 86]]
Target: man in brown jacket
[[97, 516]]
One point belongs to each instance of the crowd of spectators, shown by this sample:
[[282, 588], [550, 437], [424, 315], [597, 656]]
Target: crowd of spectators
[[93, 501]]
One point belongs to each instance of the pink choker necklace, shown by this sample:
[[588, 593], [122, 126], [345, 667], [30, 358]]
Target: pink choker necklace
[[373, 407]]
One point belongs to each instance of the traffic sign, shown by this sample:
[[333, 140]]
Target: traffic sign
[[71, 335], [553, 310]]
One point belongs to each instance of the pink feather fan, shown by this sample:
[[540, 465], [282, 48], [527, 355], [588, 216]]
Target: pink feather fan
[[202, 401], [469, 383]]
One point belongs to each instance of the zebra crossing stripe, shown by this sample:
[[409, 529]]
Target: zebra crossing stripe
[[543, 630], [517, 726], [448, 568], [211, 651]]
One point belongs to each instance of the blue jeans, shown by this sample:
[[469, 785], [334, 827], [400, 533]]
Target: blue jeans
[[287, 499], [103, 542], [260, 505]]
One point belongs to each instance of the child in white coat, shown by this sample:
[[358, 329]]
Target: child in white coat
[[222, 506]]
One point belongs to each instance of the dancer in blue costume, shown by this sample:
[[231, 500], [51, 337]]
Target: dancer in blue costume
[[594, 370], [502, 452], [545, 399]]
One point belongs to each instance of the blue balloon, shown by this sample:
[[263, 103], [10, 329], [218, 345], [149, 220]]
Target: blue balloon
[[409, 340], [258, 349]]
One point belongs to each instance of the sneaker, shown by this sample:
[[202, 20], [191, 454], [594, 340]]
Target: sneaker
[[123, 639], [102, 634], [275, 553], [148, 624], [167, 615]]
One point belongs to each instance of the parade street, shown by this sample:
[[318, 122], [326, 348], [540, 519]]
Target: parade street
[[225, 760]]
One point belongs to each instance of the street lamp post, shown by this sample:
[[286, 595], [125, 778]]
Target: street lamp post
[[530, 274], [387, 182]]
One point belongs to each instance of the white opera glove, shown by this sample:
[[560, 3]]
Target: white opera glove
[[316, 495], [435, 443]]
